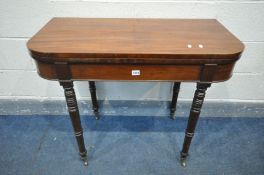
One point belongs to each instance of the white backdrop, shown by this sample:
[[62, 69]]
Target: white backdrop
[[19, 20]]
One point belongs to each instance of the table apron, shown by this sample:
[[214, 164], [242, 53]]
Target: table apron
[[138, 72]]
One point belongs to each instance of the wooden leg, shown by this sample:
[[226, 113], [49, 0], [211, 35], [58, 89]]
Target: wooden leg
[[75, 117], [94, 99], [176, 89], [193, 118]]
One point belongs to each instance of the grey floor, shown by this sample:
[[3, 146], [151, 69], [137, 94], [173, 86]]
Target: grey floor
[[136, 145]]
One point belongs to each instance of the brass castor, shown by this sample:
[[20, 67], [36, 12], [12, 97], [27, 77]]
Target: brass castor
[[85, 161], [172, 115], [183, 161], [96, 113]]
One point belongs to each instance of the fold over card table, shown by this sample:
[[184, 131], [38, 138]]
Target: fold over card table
[[178, 50]]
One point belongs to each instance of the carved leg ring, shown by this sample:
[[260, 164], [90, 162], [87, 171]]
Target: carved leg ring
[[75, 117], [193, 118], [175, 93], [94, 99]]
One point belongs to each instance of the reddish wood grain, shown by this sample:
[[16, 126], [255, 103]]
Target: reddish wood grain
[[162, 49], [147, 72], [135, 41]]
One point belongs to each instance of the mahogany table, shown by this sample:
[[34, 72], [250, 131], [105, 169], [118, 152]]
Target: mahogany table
[[178, 50]]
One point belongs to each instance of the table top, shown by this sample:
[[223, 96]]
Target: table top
[[150, 41]]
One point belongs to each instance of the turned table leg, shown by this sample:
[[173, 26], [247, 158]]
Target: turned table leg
[[175, 93], [193, 118], [94, 99], [75, 117]]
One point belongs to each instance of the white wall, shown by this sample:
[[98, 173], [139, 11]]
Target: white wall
[[19, 20]]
